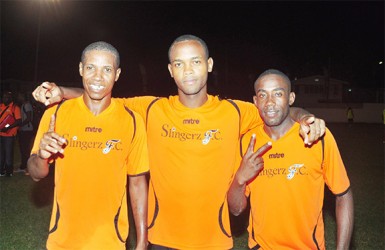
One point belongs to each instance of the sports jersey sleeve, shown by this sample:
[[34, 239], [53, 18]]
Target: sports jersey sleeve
[[138, 104], [334, 170], [250, 117], [138, 162], [43, 127]]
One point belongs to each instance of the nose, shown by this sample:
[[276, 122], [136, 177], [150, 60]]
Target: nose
[[188, 69], [98, 74], [270, 100]]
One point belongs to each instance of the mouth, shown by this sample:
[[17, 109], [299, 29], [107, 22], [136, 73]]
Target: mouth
[[95, 87], [189, 81], [271, 113]]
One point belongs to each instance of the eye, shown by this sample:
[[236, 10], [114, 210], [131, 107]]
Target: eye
[[177, 64], [89, 67], [197, 62], [261, 95], [279, 94], [108, 70]]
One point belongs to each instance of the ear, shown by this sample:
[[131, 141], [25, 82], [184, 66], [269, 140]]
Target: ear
[[170, 70], [81, 69], [291, 98], [118, 71], [210, 64]]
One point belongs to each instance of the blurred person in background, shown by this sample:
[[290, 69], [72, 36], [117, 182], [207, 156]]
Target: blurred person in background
[[26, 130], [8, 132]]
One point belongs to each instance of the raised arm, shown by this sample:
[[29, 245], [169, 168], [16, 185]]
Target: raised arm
[[50, 144], [312, 128], [251, 165], [345, 219], [49, 93], [138, 195]]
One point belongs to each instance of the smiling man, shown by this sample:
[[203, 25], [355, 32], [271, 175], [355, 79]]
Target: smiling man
[[286, 180], [96, 143], [192, 140]]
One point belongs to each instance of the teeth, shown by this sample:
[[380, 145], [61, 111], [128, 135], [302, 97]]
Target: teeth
[[270, 112], [96, 87]]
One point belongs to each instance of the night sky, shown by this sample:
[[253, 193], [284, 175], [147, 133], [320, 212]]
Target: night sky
[[244, 38]]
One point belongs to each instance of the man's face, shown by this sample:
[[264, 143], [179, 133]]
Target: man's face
[[189, 67], [7, 98], [273, 99], [99, 73]]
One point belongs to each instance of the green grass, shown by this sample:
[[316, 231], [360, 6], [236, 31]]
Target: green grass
[[25, 206]]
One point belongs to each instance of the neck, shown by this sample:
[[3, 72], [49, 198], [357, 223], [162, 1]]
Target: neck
[[276, 132], [97, 106], [193, 101]]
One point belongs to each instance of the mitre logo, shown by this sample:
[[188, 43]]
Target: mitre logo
[[191, 121], [93, 129]]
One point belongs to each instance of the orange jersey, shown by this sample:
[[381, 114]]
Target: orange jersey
[[192, 152], [90, 208], [12, 109], [287, 196]]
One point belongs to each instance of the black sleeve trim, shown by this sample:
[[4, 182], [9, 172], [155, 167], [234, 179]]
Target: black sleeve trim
[[343, 193], [134, 121]]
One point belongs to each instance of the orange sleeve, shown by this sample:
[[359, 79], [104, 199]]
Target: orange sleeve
[[250, 117], [334, 170], [138, 162], [138, 104]]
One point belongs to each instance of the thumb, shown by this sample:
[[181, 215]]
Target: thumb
[[309, 120], [51, 127]]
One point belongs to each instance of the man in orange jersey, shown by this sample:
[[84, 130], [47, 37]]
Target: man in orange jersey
[[192, 139], [96, 143], [285, 179]]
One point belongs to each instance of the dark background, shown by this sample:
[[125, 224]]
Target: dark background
[[343, 38]]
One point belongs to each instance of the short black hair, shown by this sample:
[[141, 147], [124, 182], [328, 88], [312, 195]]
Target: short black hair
[[104, 46], [188, 37], [274, 72]]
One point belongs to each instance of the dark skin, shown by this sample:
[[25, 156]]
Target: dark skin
[[251, 165], [273, 90], [98, 67]]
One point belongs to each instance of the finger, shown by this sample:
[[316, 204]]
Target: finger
[[47, 86], [305, 129], [263, 149], [322, 127], [250, 148], [52, 93], [51, 100], [36, 92], [58, 139], [317, 129], [312, 134], [310, 120], [51, 127]]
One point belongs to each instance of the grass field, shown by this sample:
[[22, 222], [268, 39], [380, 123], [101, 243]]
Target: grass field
[[25, 206]]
